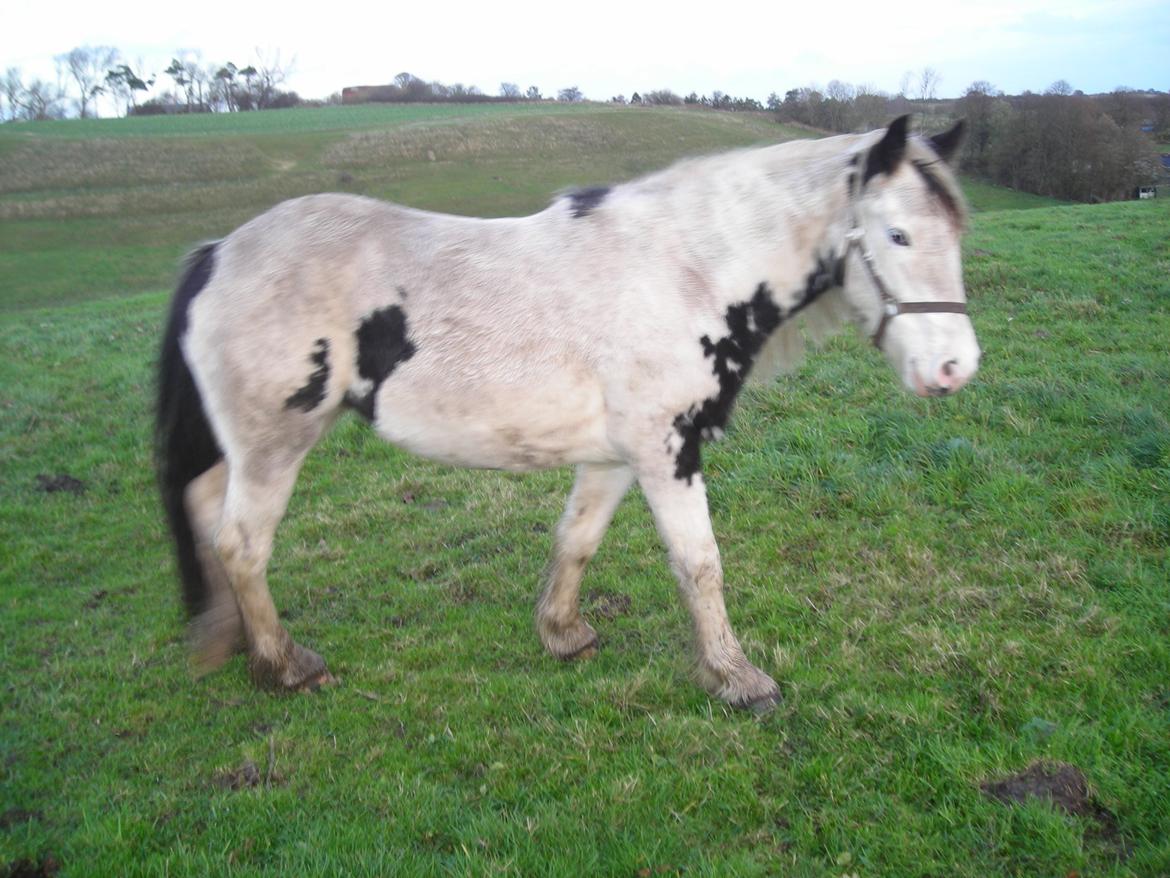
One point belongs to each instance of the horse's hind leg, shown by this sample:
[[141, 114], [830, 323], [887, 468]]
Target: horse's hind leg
[[596, 495], [258, 491], [217, 633]]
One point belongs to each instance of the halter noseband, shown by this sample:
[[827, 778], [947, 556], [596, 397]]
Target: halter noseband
[[891, 307]]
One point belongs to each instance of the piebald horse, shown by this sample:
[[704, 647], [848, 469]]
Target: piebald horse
[[612, 331]]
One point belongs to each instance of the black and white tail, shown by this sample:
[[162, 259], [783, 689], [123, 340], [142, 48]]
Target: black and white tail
[[185, 445]]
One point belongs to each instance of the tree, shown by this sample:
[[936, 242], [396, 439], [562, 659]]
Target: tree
[[33, 101], [662, 97], [1060, 87], [225, 80], [928, 82], [123, 83], [533, 93], [978, 106], [13, 89], [871, 108], [42, 100], [510, 91], [270, 75], [86, 66], [570, 95], [178, 72]]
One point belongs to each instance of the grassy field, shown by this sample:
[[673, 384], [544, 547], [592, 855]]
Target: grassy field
[[948, 591]]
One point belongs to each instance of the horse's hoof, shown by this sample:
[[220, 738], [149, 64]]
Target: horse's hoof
[[570, 642], [760, 705], [586, 651], [312, 685], [302, 670]]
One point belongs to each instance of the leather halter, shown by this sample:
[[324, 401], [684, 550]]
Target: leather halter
[[891, 306]]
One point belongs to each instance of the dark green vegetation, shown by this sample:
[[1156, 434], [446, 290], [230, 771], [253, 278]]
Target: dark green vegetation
[[946, 590]]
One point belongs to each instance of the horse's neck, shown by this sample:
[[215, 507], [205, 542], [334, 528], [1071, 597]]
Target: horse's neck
[[790, 216]]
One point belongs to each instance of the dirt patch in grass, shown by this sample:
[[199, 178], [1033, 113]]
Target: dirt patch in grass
[[245, 777], [46, 868], [14, 816], [62, 482], [1065, 787], [608, 606], [96, 599]]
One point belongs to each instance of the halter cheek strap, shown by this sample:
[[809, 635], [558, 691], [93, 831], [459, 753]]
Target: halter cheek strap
[[891, 307]]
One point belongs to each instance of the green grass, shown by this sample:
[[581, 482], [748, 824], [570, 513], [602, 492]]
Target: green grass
[[946, 590], [984, 196], [104, 207]]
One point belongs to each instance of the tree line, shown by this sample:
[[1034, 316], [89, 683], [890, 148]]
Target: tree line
[[88, 74], [1061, 143]]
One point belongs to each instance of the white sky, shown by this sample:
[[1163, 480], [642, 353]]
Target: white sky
[[607, 48]]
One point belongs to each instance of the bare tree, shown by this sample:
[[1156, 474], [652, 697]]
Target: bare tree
[[570, 95], [510, 91], [928, 82], [533, 93], [13, 87], [86, 66], [42, 100], [837, 106], [1060, 87], [31, 101], [271, 73]]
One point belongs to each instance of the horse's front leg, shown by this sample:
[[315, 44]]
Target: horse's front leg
[[596, 495], [680, 511]]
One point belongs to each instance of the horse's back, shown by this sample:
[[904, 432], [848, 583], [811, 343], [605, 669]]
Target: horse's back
[[419, 321]]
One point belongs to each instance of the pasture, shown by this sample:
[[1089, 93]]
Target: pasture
[[947, 591]]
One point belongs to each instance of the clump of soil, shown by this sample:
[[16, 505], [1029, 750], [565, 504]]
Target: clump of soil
[[62, 482], [1065, 787], [244, 777]]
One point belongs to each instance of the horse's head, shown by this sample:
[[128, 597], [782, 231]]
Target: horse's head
[[904, 276]]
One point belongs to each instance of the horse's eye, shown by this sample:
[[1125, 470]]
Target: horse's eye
[[897, 236]]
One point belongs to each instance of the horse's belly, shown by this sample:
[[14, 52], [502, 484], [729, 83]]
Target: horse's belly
[[497, 425]]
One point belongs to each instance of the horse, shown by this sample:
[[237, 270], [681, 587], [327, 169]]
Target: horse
[[612, 331]]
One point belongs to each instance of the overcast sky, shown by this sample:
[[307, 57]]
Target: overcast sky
[[607, 48]]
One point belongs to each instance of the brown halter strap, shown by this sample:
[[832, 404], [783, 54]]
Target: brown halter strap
[[891, 307]]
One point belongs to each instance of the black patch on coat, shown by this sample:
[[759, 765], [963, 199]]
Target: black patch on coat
[[584, 201], [383, 343], [748, 326], [310, 396]]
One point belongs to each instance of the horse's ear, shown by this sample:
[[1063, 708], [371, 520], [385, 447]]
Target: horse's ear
[[885, 156], [947, 143]]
